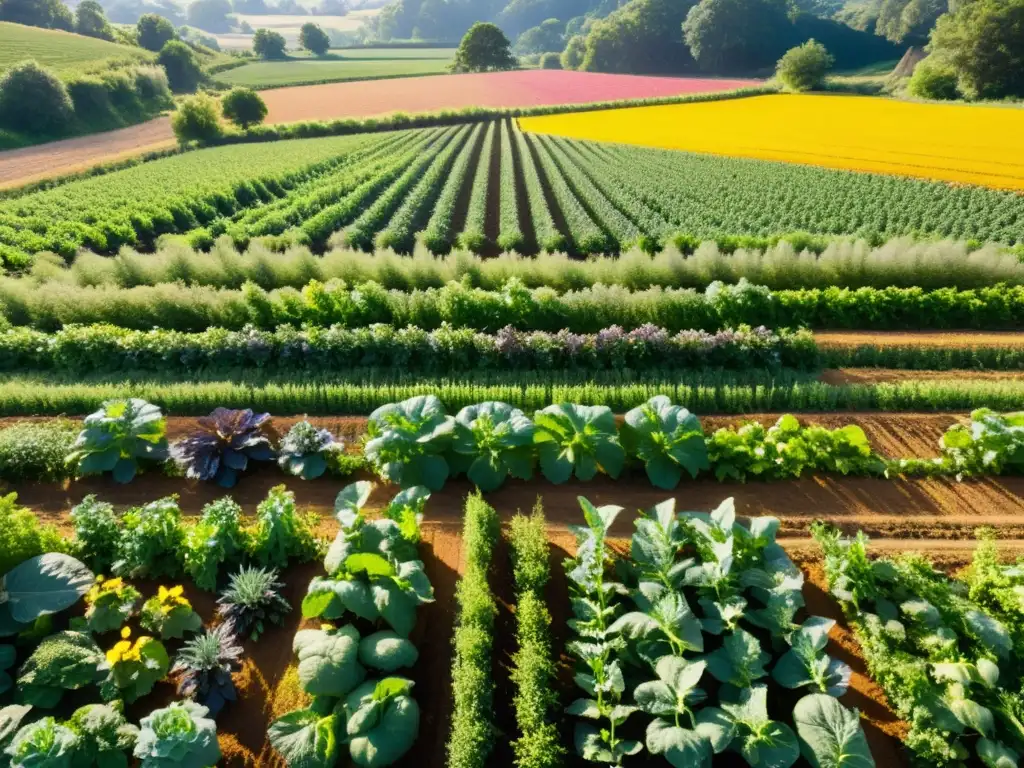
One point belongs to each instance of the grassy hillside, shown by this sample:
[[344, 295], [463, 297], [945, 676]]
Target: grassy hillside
[[63, 51]]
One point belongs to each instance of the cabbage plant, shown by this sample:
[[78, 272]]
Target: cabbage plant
[[373, 567], [178, 736], [383, 722], [667, 438], [303, 451], [408, 442], [328, 660], [65, 661], [577, 439], [226, 441], [44, 742], [490, 442], [105, 736], [117, 437], [11, 718]]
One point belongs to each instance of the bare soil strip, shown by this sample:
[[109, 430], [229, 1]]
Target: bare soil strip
[[841, 376], [965, 339]]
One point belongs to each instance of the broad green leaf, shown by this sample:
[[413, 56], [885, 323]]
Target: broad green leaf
[[830, 734], [387, 651], [45, 584], [681, 747], [992, 754], [305, 739], [328, 660]]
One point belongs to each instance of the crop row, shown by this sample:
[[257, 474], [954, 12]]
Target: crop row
[[604, 198], [173, 306], [100, 348], [359, 391]]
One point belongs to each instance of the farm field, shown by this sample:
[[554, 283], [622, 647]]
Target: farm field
[[469, 444], [346, 64], [956, 143], [65, 52], [289, 26]]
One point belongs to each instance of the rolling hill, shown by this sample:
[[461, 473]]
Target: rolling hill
[[63, 51]]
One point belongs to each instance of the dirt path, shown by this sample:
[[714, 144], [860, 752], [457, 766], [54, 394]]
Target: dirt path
[[57, 158], [920, 338], [840, 376]]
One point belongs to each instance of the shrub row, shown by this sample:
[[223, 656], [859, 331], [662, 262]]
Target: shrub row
[[98, 348], [178, 307], [473, 731]]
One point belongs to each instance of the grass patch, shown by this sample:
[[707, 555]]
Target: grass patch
[[67, 53], [338, 66]]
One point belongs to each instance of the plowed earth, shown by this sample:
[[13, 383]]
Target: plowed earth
[[840, 376], [920, 338]]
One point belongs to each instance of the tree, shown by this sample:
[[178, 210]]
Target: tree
[[210, 15], [483, 48], [983, 43], [933, 80], [736, 35], [50, 14], [154, 32], [183, 71], [90, 21], [544, 38], [575, 50], [33, 98], [243, 107], [196, 120], [550, 61], [641, 37], [268, 45], [314, 39], [804, 68]]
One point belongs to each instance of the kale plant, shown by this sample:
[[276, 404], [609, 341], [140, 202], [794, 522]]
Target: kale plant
[[577, 439], [490, 442], [117, 437], [178, 736], [227, 440], [252, 602], [151, 541], [408, 442], [281, 533], [43, 743], [97, 533], [204, 666], [215, 541], [667, 439], [303, 451]]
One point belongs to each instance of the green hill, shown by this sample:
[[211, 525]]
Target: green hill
[[65, 52]]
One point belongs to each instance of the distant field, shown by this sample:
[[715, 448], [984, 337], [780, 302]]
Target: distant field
[[62, 51], [946, 142], [289, 26], [348, 64]]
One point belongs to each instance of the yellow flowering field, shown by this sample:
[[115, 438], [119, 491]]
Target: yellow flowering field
[[950, 142]]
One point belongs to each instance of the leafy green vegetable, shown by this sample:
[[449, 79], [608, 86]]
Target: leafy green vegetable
[[62, 662], [135, 667], [96, 533], [213, 542], [169, 614], [805, 664], [830, 734], [151, 541], [308, 739], [40, 586], [104, 736], [281, 532], [383, 721], [992, 443], [110, 603], [490, 442], [303, 451], [328, 660], [761, 741], [408, 441], [667, 438], [577, 439], [11, 718], [178, 736], [117, 437], [43, 743], [387, 651], [22, 536]]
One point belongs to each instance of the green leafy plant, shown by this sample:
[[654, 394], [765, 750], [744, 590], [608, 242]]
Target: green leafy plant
[[667, 438], [408, 440], [387, 651], [66, 661], [577, 439], [204, 666], [169, 614], [373, 567], [44, 742], [109, 604], [97, 533], [105, 736], [135, 667], [215, 541], [830, 734], [310, 737], [329, 660], [491, 441], [178, 736], [226, 441], [40, 586], [992, 443], [11, 718], [36, 451], [117, 437], [252, 601], [383, 721], [281, 534], [304, 450], [22, 536], [151, 541]]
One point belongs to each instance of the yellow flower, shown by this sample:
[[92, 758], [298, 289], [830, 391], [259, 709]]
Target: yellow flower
[[176, 591], [119, 651], [114, 584], [126, 632]]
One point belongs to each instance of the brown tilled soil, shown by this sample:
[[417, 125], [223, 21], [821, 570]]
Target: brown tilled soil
[[57, 158], [920, 338], [839, 376]]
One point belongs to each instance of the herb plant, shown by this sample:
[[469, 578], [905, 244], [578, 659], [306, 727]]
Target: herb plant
[[224, 445], [22, 536], [135, 667], [216, 540], [490, 442], [66, 661], [204, 666], [109, 604], [117, 437], [178, 736], [169, 614], [151, 541], [578, 440], [281, 533], [408, 441], [36, 451], [303, 451], [252, 601], [97, 533], [667, 439]]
